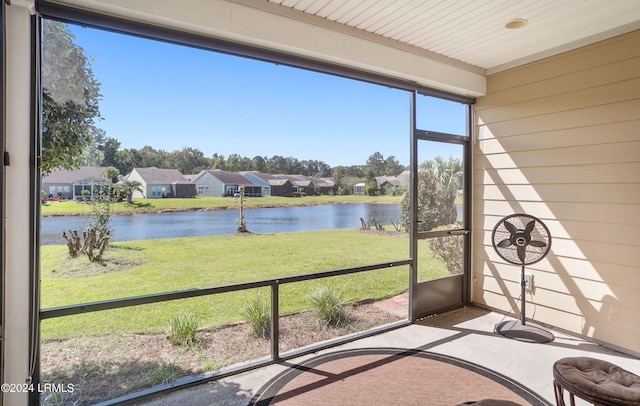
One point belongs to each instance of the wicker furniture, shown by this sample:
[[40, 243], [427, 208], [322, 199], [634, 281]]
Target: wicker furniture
[[599, 382]]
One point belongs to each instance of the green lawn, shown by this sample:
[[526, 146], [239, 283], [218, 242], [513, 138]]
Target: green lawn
[[140, 205], [152, 266]]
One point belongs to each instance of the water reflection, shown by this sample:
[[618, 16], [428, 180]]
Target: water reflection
[[198, 223]]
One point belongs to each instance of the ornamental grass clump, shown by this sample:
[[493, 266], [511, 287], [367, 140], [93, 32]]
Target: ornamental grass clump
[[183, 329], [257, 313], [328, 307]]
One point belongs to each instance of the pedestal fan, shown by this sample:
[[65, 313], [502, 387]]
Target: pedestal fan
[[522, 239]]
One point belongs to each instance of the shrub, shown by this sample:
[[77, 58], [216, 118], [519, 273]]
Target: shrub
[[258, 315], [329, 307], [428, 214], [371, 187], [449, 249], [183, 329], [94, 243], [97, 235]]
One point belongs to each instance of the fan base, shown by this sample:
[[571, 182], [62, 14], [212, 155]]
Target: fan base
[[521, 332]]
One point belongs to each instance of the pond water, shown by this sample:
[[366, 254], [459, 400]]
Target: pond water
[[198, 223]]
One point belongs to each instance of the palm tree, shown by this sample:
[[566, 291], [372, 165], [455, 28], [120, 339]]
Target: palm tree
[[449, 175], [128, 187]]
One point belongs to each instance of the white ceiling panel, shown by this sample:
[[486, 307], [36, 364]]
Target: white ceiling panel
[[473, 31]]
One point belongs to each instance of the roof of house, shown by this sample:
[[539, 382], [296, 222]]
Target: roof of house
[[323, 182], [404, 177], [75, 175], [159, 176], [278, 182], [392, 180], [231, 178], [263, 176], [299, 180], [303, 182]]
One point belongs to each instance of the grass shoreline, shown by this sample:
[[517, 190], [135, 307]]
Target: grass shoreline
[[150, 206]]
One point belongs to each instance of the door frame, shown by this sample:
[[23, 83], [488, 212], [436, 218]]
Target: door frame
[[452, 292], [5, 159]]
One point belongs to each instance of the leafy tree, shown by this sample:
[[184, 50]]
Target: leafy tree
[[439, 184], [339, 173], [449, 249], [293, 166], [324, 170], [109, 150], [315, 168], [357, 171], [258, 163], [218, 162], [309, 167], [127, 159], [392, 166], [277, 164], [236, 163], [188, 160], [69, 101], [371, 187], [428, 215], [375, 165], [150, 157], [92, 154]]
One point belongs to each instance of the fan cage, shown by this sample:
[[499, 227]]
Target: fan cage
[[533, 254]]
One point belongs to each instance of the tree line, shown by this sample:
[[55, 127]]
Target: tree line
[[106, 151]]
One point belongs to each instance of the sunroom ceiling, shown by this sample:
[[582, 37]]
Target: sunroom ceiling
[[473, 31]]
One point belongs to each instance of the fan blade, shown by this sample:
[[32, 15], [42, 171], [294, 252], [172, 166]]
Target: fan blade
[[504, 243], [512, 229], [529, 227], [540, 244], [522, 252]]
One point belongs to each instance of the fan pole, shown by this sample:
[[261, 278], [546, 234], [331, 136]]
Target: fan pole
[[522, 232], [522, 296]]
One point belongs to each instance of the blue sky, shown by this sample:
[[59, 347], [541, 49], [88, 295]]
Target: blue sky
[[170, 97]]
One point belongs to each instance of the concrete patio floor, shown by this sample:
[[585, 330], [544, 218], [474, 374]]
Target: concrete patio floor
[[465, 333]]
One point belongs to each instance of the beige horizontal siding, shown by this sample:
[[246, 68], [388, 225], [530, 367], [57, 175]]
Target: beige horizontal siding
[[560, 139], [567, 65], [566, 137], [598, 193], [626, 214], [547, 277], [611, 93], [627, 172], [598, 76], [607, 114]]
